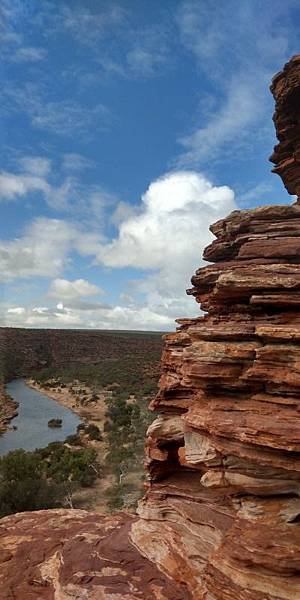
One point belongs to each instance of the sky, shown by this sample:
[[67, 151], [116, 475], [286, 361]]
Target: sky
[[127, 128]]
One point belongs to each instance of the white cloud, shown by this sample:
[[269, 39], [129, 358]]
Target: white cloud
[[41, 252], [237, 52], [37, 165], [148, 53], [94, 317], [18, 310], [88, 25], [66, 117], [13, 185], [70, 290], [29, 54], [73, 161], [230, 123], [255, 193], [12, 18], [122, 212], [176, 210], [167, 237], [63, 193], [164, 239]]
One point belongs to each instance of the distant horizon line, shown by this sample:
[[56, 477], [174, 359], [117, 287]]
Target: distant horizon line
[[85, 329]]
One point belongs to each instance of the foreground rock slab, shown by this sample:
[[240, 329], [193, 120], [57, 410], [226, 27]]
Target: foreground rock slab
[[67, 554]]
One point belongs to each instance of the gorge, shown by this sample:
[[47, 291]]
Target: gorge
[[220, 516], [30, 430]]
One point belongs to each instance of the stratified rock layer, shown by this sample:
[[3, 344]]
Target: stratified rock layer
[[73, 554], [222, 512], [286, 157]]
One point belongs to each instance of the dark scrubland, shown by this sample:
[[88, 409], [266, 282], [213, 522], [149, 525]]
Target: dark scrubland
[[117, 371], [22, 350]]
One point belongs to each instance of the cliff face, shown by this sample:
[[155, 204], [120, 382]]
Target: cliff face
[[222, 510], [286, 156], [221, 516]]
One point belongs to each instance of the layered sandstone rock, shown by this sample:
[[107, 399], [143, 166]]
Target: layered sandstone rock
[[222, 512], [73, 554], [286, 91]]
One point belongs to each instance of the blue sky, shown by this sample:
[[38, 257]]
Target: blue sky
[[127, 128]]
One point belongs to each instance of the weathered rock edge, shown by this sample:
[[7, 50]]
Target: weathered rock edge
[[222, 510], [286, 156], [68, 554]]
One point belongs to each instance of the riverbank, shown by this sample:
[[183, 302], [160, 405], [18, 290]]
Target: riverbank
[[91, 408], [81, 399], [8, 409]]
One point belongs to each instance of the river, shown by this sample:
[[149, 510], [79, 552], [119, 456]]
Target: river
[[35, 410]]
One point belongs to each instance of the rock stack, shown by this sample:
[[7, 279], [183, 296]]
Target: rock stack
[[222, 512], [286, 91], [221, 515]]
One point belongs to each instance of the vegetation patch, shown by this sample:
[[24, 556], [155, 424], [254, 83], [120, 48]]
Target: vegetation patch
[[126, 383], [45, 478]]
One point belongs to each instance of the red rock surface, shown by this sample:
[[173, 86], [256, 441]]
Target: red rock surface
[[286, 156], [224, 454], [68, 554]]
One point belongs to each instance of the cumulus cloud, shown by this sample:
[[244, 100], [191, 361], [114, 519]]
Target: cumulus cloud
[[167, 237], [175, 213], [87, 316], [64, 289], [163, 241], [41, 251]]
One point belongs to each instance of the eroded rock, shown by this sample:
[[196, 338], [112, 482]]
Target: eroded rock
[[224, 497], [67, 554], [286, 156]]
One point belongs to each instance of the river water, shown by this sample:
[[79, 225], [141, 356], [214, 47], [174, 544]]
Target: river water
[[35, 410]]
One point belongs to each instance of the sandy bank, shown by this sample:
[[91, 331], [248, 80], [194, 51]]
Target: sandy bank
[[8, 409]]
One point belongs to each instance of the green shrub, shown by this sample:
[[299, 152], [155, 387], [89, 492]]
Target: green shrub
[[43, 479], [73, 440], [23, 485], [93, 432]]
